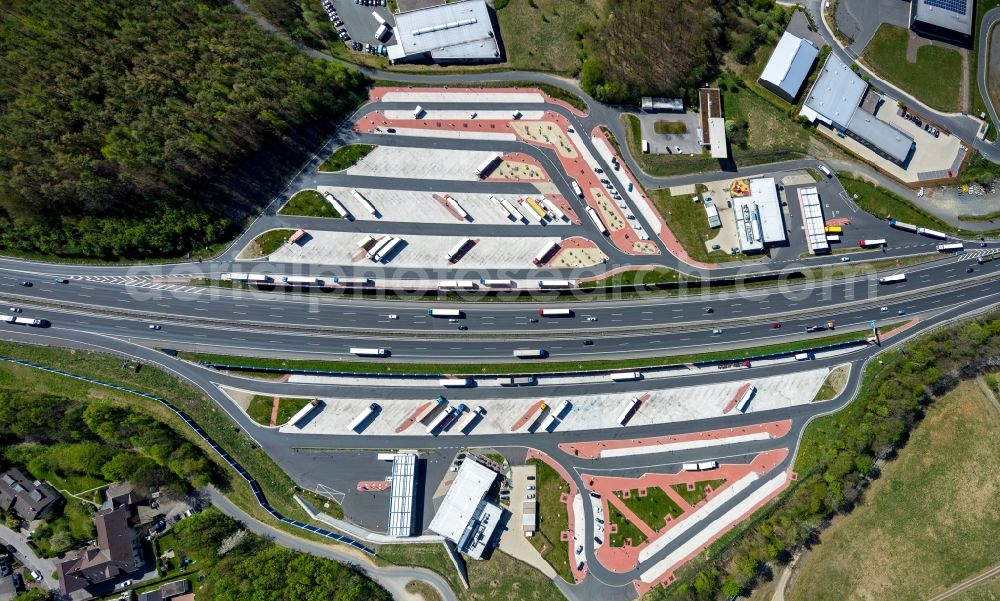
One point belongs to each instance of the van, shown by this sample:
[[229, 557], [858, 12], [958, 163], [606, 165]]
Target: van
[[825, 171]]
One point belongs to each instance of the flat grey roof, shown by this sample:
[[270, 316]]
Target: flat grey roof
[[837, 92], [890, 140], [789, 63], [456, 31], [955, 15]]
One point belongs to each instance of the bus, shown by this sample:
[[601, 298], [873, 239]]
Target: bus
[[892, 279], [597, 221], [555, 312], [369, 352], [544, 254], [536, 353], [923, 231], [487, 165], [872, 243], [630, 407], [444, 312], [955, 247], [459, 250], [899, 225], [554, 283], [833, 229]]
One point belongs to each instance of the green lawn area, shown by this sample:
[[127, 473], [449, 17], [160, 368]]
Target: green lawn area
[[833, 384], [652, 508], [885, 204], [309, 203], [540, 35], [688, 221], [695, 496], [637, 276], [267, 243], [501, 578], [931, 520], [552, 518], [346, 156], [670, 127], [626, 529], [516, 368], [771, 134], [260, 408], [936, 77]]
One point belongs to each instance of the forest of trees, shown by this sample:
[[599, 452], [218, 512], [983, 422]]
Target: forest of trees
[[237, 567], [671, 47], [146, 129], [838, 455]]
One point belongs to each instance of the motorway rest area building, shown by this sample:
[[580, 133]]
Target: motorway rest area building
[[759, 218], [460, 32], [402, 494], [467, 517], [840, 99]]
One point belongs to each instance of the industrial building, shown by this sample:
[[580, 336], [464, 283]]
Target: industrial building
[[759, 219], [812, 218], [461, 32], [662, 105], [712, 132], [842, 100], [789, 66], [402, 495], [466, 517], [946, 20]]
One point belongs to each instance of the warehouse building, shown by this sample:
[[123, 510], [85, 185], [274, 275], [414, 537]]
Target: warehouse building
[[461, 32], [466, 517], [789, 66], [842, 100], [946, 20]]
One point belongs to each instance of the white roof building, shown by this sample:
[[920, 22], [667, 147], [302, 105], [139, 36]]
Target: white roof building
[[789, 66], [404, 485], [812, 217], [465, 517], [759, 218], [460, 32]]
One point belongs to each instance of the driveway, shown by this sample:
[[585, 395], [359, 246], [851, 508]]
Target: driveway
[[860, 19], [27, 556]]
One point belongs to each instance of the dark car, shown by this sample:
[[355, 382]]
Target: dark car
[[27, 284], [533, 320], [815, 328], [463, 327], [969, 270], [588, 342], [61, 281], [391, 130]]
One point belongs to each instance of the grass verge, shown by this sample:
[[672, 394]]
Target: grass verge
[[938, 494], [653, 508], [693, 497], [689, 222], [552, 519], [833, 384], [637, 276], [935, 78], [885, 204], [346, 156], [624, 529], [261, 405], [266, 243], [309, 203], [670, 127], [422, 590], [463, 369]]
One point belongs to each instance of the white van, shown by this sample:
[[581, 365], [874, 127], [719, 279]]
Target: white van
[[825, 171]]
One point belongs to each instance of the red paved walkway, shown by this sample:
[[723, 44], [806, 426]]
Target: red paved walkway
[[736, 398], [528, 416], [373, 485], [406, 423], [592, 449], [274, 410]]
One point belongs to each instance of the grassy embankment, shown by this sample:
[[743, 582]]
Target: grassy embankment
[[260, 408], [932, 518], [346, 156], [309, 203], [552, 519]]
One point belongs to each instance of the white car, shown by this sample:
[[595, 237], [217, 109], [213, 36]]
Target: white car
[[452, 320], [591, 319], [530, 496], [15, 309], [153, 326], [845, 259], [884, 309], [394, 316], [36, 575], [717, 331]]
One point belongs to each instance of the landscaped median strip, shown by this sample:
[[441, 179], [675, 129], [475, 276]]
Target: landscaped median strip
[[324, 367]]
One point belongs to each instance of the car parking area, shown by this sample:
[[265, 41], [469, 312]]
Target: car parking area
[[357, 20]]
